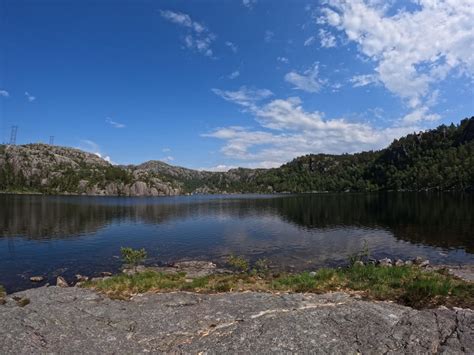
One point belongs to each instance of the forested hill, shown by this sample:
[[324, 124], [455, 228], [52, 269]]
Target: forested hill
[[439, 159]]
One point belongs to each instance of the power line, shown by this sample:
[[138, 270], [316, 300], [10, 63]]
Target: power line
[[51, 140], [13, 135]]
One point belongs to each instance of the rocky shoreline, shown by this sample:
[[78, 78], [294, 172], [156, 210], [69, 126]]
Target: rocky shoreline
[[62, 319]]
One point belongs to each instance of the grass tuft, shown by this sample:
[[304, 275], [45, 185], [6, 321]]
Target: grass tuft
[[408, 285]]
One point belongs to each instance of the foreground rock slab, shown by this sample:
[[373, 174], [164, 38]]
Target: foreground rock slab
[[75, 320]]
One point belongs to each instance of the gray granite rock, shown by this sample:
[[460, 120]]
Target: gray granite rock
[[75, 320]]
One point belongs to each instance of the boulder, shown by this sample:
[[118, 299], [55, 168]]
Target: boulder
[[387, 262], [81, 278], [399, 262], [61, 282]]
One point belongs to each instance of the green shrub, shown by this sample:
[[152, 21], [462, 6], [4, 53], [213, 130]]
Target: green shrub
[[133, 257], [238, 263]]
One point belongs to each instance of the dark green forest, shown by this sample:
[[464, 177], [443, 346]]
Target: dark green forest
[[438, 159]]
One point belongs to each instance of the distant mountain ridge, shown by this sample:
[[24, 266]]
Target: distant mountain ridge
[[438, 159]]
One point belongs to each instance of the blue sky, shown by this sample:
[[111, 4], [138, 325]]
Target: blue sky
[[219, 84]]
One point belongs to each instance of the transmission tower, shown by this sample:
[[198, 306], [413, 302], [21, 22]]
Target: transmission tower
[[13, 135], [51, 140]]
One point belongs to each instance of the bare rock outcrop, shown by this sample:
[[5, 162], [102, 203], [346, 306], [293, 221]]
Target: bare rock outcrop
[[226, 323]]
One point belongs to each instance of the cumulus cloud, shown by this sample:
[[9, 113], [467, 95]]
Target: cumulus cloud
[[287, 130], [412, 50], [307, 81], [4, 93], [198, 38], [114, 124]]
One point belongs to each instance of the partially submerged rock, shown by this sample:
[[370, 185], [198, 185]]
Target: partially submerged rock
[[36, 278], [61, 282]]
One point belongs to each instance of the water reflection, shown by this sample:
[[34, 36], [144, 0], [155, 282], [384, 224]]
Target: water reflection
[[443, 220], [41, 234]]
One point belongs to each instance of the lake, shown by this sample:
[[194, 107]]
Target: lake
[[65, 235]]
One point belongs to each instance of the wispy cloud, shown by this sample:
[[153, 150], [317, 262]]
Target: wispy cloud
[[326, 38], [167, 159], [283, 60], [309, 41], [114, 124], [268, 36], [29, 97], [92, 147], [249, 3], [4, 93], [198, 38], [233, 47], [234, 75], [364, 80], [166, 150], [244, 96], [307, 81]]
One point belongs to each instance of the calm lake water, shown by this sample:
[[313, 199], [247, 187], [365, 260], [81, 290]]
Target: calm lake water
[[58, 235]]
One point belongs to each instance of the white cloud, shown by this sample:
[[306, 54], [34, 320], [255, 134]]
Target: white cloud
[[420, 114], [309, 41], [199, 38], [283, 60], [249, 3], [308, 81], [29, 97], [234, 74], [326, 38], [4, 93], [364, 80], [167, 159], [92, 147], [218, 168], [268, 36], [244, 96], [412, 50], [288, 131], [166, 150], [232, 46], [114, 124]]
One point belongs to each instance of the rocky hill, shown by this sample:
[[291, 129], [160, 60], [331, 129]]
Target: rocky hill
[[57, 170], [439, 159]]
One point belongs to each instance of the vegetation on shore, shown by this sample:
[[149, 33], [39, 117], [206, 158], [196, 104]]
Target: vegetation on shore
[[438, 159], [2, 295], [408, 285]]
